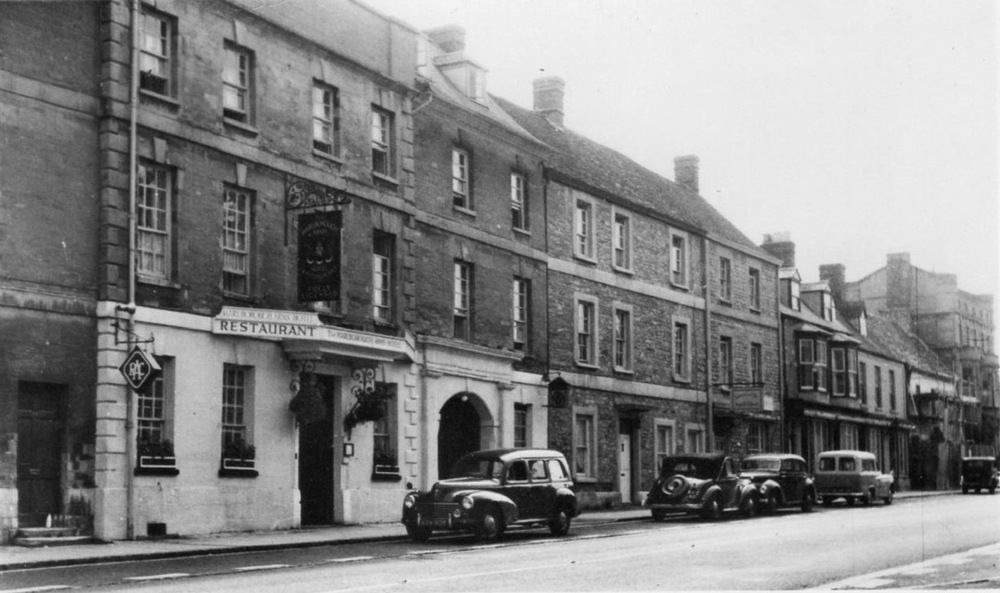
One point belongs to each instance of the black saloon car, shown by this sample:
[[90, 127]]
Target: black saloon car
[[979, 473], [700, 483], [781, 480], [489, 491]]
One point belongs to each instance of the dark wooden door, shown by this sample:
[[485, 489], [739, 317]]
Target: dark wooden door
[[39, 446], [316, 462]]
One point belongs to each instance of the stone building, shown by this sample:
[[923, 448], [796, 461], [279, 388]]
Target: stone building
[[480, 264], [238, 211], [842, 389], [655, 301], [957, 325]]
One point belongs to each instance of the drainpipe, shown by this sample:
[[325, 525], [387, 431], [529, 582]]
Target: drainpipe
[[709, 421], [130, 308]]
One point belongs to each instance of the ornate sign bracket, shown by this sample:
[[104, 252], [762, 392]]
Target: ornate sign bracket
[[302, 193]]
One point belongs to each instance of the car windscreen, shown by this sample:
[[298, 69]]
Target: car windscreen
[[702, 469], [768, 464], [477, 467], [977, 465]]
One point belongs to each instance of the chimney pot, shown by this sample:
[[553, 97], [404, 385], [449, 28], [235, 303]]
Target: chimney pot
[[450, 38], [548, 98], [686, 171], [780, 245]]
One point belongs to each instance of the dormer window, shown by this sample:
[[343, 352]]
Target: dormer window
[[476, 84], [828, 309], [796, 300]]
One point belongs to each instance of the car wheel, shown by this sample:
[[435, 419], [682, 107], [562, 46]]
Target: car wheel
[[659, 515], [560, 522], [828, 501], [750, 508], [490, 526], [850, 500], [771, 504], [965, 489], [866, 500], [712, 510], [418, 534], [888, 499], [808, 500]]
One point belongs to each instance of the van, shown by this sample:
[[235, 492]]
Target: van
[[851, 475]]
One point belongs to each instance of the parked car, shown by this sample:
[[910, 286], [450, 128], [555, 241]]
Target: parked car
[[781, 480], [853, 475], [700, 483], [979, 473], [489, 491]]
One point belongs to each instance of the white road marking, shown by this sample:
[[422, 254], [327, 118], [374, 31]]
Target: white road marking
[[872, 584], [37, 589], [919, 570], [351, 559], [160, 577], [260, 567]]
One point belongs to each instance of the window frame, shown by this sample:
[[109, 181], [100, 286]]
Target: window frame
[[519, 201], [726, 367], [231, 251], [623, 338], [585, 311], [679, 256], [383, 277], [725, 279], [838, 370], [583, 228], [878, 386], [521, 313], [891, 375], [328, 119], [659, 451], [384, 428], [754, 281], [697, 431], [462, 300], [461, 178], [238, 81], [166, 57], [237, 400], [165, 235], [383, 142], [522, 425], [680, 351], [585, 444], [621, 241], [757, 363]]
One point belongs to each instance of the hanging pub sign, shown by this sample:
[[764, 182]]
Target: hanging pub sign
[[319, 256], [139, 369], [558, 393]]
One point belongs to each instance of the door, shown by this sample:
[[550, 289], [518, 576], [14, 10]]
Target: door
[[316, 461], [458, 433], [625, 466], [39, 445]]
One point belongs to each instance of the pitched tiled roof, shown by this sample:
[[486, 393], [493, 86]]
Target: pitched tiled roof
[[600, 167], [905, 346]]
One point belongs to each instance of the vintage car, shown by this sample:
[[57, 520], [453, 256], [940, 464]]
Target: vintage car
[[853, 475], [489, 491], [781, 480], [700, 483], [979, 473]]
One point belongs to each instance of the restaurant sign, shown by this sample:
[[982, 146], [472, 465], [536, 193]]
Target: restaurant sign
[[294, 325]]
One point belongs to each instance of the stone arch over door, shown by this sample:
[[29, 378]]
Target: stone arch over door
[[460, 429]]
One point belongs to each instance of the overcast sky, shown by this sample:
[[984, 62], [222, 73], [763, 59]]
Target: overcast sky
[[862, 128]]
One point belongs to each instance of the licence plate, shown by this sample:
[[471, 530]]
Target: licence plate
[[433, 521]]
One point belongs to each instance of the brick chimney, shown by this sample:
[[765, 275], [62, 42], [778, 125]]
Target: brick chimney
[[548, 100], [686, 171], [450, 38], [781, 247], [834, 274]]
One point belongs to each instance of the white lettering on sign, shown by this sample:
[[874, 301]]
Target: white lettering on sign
[[339, 335], [268, 315]]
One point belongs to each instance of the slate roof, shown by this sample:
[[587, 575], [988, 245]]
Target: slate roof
[[598, 166], [905, 346]]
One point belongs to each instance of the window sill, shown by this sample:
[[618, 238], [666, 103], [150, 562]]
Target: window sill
[[326, 156], [522, 232], [726, 302], [624, 371], [756, 310], [152, 281], [240, 126], [626, 271], [681, 379], [587, 365], [463, 210], [245, 298], [584, 258], [165, 100], [680, 286], [385, 179]]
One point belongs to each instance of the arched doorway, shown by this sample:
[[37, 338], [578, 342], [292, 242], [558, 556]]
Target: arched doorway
[[458, 431]]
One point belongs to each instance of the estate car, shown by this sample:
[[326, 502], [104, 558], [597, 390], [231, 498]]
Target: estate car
[[701, 483], [979, 473], [853, 475], [781, 480], [489, 491]]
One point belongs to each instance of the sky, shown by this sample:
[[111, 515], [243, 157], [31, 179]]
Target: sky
[[861, 128]]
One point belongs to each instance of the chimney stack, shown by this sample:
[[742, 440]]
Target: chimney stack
[[450, 38], [548, 100], [686, 171], [781, 247], [834, 274]]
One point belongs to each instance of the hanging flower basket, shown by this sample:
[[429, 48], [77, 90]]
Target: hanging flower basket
[[368, 408]]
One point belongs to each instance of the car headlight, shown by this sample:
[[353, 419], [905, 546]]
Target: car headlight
[[466, 502], [409, 501]]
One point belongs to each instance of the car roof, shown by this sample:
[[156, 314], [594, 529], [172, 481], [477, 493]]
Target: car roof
[[513, 453], [775, 456], [709, 456], [847, 453]]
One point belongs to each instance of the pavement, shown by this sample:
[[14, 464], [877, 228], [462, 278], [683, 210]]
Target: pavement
[[17, 557]]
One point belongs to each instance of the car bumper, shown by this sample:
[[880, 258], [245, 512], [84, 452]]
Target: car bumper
[[680, 507], [438, 516]]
